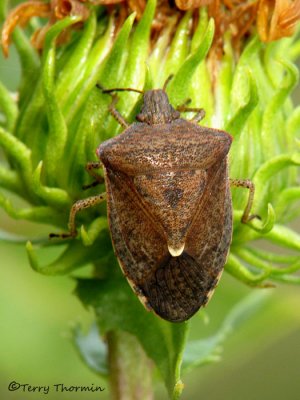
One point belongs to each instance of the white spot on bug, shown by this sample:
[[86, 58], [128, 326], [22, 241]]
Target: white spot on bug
[[176, 252]]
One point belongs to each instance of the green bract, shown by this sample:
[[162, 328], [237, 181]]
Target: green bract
[[61, 117]]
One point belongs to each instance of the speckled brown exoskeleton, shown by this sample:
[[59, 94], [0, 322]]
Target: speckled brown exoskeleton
[[169, 204]]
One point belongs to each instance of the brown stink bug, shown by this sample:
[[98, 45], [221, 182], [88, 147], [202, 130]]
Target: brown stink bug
[[169, 205]]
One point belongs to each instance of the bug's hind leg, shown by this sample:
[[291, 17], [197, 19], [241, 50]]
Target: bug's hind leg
[[78, 206], [90, 168], [248, 184]]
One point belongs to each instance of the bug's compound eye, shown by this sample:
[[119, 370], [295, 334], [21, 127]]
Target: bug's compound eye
[[141, 117], [175, 114]]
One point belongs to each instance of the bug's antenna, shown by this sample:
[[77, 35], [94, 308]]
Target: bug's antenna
[[167, 82], [118, 89]]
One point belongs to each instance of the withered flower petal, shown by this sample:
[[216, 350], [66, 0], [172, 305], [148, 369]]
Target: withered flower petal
[[21, 15], [63, 8], [189, 4], [55, 10], [277, 19]]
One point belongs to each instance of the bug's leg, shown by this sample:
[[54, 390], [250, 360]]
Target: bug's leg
[[169, 78], [115, 113], [200, 112], [246, 183], [76, 207], [90, 168]]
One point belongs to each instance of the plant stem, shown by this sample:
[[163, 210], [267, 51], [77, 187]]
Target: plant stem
[[130, 368]]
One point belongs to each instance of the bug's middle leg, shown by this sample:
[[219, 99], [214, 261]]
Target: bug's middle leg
[[248, 184], [76, 207]]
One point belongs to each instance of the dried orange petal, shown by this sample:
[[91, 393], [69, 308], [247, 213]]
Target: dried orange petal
[[21, 15], [138, 6], [64, 8], [189, 4], [277, 19]]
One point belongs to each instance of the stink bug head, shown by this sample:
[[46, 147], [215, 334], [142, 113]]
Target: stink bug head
[[157, 109]]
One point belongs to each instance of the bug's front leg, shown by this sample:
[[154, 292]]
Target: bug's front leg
[[200, 112], [248, 184], [78, 206], [115, 113]]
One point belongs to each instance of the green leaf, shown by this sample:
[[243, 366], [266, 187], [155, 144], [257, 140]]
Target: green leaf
[[111, 73], [287, 197], [272, 257], [223, 85], [3, 10], [184, 76], [266, 172], [10, 180], [90, 76], [57, 135], [75, 255], [179, 47], [97, 226], [275, 104], [138, 50], [55, 197], [30, 63], [19, 153], [18, 239], [239, 271], [199, 352], [162, 341], [237, 122], [9, 108], [75, 66], [266, 226], [159, 52], [113, 65], [285, 237], [135, 66], [92, 349], [41, 214], [251, 258], [201, 28]]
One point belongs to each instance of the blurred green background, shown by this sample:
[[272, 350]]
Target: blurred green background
[[260, 361]]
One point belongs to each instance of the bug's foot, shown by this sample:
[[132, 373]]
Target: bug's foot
[[62, 235], [93, 184], [245, 220]]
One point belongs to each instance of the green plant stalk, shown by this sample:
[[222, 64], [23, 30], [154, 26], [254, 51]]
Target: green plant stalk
[[130, 369]]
